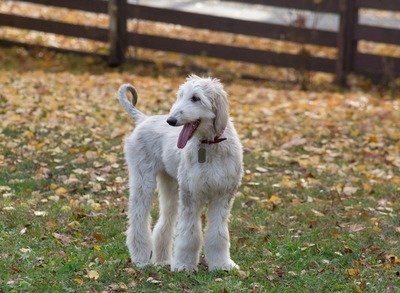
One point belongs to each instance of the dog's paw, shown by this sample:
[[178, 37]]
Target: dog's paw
[[179, 267], [161, 263], [226, 266], [141, 265], [141, 262]]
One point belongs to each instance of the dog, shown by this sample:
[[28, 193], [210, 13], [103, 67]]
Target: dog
[[194, 165]]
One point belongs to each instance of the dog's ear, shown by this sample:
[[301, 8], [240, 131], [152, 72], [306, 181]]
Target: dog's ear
[[220, 108]]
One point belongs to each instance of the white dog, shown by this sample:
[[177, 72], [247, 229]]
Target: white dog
[[197, 164]]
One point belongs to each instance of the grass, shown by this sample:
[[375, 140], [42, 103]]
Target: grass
[[294, 226], [289, 248]]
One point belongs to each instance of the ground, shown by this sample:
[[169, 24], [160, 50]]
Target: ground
[[317, 211]]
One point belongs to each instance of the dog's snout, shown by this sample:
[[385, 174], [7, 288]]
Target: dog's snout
[[172, 121]]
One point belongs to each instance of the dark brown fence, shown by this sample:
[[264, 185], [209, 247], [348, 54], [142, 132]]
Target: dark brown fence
[[345, 40]]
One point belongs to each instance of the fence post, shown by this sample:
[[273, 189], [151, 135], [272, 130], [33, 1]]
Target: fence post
[[117, 31], [346, 42]]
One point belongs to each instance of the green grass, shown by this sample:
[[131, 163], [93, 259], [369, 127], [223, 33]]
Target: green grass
[[288, 248], [63, 196]]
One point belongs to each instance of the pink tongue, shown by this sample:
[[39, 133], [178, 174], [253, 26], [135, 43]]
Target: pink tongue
[[186, 134]]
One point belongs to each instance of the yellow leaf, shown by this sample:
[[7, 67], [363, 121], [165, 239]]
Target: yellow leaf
[[287, 183], [78, 280], [360, 168], [395, 180], [60, 191], [92, 274], [28, 134], [38, 146], [367, 187], [376, 227], [353, 272], [275, 199], [373, 138], [96, 206]]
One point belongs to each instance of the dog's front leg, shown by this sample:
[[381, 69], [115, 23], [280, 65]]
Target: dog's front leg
[[217, 235], [189, 238]]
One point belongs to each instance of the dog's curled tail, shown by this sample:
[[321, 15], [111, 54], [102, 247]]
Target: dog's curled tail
[[130, 106]]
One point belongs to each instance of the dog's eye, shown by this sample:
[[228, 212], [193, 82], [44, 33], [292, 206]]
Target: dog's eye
[[194, 99]]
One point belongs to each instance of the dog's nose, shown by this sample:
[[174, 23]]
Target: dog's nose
[[172, 121]]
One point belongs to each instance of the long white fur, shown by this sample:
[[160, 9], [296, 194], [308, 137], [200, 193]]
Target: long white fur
[[185, 186]]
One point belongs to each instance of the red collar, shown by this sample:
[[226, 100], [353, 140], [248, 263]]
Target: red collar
[[216, 140]]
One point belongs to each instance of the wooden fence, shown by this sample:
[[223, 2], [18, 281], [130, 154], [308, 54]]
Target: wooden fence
[[345, 40]]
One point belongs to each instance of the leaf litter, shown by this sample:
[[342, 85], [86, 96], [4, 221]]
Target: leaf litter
[[299, 137]]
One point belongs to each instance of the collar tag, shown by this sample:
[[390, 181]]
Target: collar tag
[[201, 155]]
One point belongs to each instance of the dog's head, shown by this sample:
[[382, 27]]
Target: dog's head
[[201, 107]]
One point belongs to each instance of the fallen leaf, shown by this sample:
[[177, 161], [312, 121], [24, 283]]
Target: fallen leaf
[[92, 274], [25, 250], [8, 208], [353, 272], [349, 190], [54, 198], [122, 287], [261, 170], [98, 237], [280, 272], [307, 246], [153, 281], [276, 200], [78, 280], [64, 239], [60, 191], [361, 287], [318, 213], [356, 228], [286, 182], [297, 141], [40, 213], [243, 274]]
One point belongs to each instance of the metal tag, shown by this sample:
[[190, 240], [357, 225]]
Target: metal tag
[[201, 155]]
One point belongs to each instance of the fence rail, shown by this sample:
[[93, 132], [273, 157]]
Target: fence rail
[[55, 27], [232, 25], [320, 6], [231, 53], [350, 31], [391, 5], [99, 6], [377, 34]]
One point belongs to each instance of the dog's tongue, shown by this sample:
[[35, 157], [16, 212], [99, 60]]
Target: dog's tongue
[[186, 133]]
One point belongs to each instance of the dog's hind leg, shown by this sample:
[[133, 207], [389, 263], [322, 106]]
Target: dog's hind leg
[[164, 229], [142, 183]]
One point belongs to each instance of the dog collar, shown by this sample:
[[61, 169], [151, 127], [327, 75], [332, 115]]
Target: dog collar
[[216, 140]]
